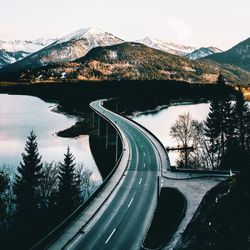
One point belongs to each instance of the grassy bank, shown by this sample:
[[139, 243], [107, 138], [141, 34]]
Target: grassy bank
[[169, 212]]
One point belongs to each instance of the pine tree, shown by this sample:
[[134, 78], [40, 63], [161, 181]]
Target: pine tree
[[69, 185], [212, 130], [226, 118], [221, 80], [27, 181], [4, 186], [241, 113], [219, 128]]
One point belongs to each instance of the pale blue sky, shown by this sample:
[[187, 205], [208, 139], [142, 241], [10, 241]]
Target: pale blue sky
[[221, 23]]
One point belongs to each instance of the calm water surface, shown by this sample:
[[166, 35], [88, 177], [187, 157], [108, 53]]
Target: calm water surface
[[160, 123], [20, 114]]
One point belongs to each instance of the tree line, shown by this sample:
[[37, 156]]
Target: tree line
[[222, 141], [39, 196]]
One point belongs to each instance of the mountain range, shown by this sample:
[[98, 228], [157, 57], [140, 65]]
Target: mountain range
[[170, 47], [75, 45], [203, 52], [133, 61], [93, 54], [67, 48], [12, 51], [239, 55]]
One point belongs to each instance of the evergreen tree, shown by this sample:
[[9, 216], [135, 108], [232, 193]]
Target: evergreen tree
[[212, 130], [226, 121], [27, 181], [4, 186], [69, 185], [241, 113], [219, 128], [221, 80]]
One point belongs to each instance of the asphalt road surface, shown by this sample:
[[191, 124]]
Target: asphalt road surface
[[122, 223]]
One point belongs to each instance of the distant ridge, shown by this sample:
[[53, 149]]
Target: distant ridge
[[239, 55]]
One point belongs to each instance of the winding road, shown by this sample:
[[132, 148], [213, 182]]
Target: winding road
[[123, 221]]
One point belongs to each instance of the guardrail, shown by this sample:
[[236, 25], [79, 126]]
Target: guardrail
[[49, 238]]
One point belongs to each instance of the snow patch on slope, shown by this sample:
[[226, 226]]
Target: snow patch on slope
[[29, 46], [203, 52], [170, 47]]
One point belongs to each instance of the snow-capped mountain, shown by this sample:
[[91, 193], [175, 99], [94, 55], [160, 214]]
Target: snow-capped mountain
[[12, 51], [67, 48], [28, 46], [170, 47], [203, 52], [131, 61], [7, 57]]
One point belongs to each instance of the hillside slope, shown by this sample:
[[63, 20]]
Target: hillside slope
[[239, 55], [134, 61], [65, 49], [222, 220]]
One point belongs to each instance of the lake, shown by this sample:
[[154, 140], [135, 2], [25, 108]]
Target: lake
[[20, 114], [160, 123]]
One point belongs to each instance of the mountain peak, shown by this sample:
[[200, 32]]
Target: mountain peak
[[203, 52], [170, 47], [87, 33], [239, 55]]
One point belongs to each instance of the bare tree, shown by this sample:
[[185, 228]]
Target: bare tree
[[87, 185], [49, 187], [183, 131]]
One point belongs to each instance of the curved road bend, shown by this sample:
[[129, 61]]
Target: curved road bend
[[125, 219]]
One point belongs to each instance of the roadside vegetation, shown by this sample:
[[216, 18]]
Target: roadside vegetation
[[169, 212], [222, 220], [39, 195], [222, 141]]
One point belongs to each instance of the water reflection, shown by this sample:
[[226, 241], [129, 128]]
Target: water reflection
[[160, 123], [20, 114]]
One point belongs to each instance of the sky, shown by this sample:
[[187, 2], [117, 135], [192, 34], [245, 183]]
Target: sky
[[220, 23]]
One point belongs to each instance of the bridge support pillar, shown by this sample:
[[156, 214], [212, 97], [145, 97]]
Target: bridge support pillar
[[99, 126], [107, 135], [116, 147], [93, 121]]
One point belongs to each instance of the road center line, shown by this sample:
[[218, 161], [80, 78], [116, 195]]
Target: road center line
[[140, 181], [144, 154], [110, 236], [130, 202], [144, 165]]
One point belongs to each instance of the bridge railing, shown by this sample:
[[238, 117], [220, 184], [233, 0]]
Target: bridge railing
[[50, 237]]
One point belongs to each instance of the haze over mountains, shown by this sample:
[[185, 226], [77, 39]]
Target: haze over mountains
[[93, 54]]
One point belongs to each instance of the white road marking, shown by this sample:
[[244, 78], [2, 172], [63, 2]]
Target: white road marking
[[130, 202], [144, 154], [140, 181], [144, 165], [110, 236]]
